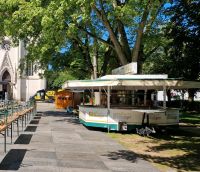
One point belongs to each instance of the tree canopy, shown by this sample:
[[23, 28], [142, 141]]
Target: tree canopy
[[180, 55], [68, 36]]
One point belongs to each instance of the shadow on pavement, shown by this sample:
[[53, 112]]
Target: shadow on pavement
[[40, 112], [71, 120], [34, 122], [122, 154], [30, 128], [56, 114], [37, 117], [13, 159], [23, 139]]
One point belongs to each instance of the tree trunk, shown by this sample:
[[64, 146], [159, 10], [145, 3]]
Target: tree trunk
[[191, 93], [87, 52], [102, 16], [140, 59], [140, 31], [84, 49], [106, 61], [124, 40], [95, 67], [169, 97], [118, 48]]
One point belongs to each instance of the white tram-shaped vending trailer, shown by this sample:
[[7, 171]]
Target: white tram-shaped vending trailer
[[110, 109]]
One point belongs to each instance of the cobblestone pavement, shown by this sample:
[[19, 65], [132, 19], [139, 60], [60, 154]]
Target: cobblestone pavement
[[54, 141]]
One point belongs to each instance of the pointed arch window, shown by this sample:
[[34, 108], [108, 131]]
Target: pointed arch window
[[29, 68], [6, 76]]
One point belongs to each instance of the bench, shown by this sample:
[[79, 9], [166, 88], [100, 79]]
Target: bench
[[9, 119]]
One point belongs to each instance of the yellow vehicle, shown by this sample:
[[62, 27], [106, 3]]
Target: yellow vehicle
[[44, 95]]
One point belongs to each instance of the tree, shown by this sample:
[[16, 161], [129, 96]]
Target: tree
[[185, 48], [184, 29], [47, 25], [179, 56], [119, 17]]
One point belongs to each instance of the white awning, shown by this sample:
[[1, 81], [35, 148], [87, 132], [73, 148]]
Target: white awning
[[88, 84], [159, 84], [138, 76], [127, 84]]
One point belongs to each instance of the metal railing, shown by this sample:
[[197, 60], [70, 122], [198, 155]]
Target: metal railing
[[11, 112]]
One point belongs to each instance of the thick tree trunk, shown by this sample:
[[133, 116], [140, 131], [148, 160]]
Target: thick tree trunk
[[123, 40], [140, 58], [87, 53], [106, 61], [102, 16], [140, 31], [95, 66]]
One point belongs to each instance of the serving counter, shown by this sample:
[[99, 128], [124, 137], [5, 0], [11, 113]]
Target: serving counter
[[122, 118]]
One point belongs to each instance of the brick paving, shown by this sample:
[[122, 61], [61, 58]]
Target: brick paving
[[55, 141]]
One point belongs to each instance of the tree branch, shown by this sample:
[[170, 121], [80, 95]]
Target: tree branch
[[123, 39], [151, 52], [94, 36], [152, 19], [102, 16], [136, 49]]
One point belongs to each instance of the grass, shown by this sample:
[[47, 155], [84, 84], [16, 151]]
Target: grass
[[190, 118], [177, 149]]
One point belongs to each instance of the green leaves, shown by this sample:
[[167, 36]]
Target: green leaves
[[56, 79], [47, 26], [178, 53]]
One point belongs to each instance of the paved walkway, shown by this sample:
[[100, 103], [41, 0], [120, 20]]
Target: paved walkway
[[56, 142]]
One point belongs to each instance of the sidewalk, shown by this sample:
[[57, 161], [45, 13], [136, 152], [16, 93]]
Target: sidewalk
[[55, 142]]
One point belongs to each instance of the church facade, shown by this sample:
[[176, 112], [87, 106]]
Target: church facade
[[13, 83]]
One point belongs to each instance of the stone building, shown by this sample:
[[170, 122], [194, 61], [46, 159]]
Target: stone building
[[13, 83]]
